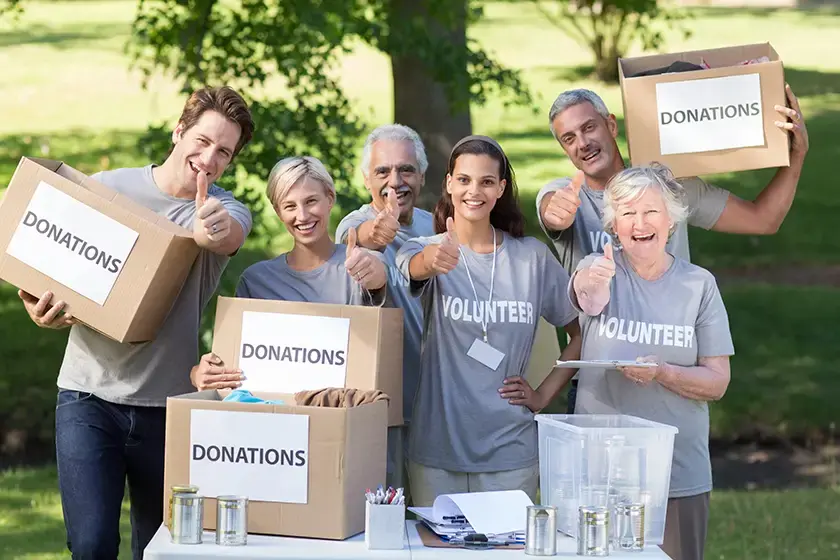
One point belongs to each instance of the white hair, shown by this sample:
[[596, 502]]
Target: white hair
[[631, 183], [574, 97], [289, 171], [395, 132]]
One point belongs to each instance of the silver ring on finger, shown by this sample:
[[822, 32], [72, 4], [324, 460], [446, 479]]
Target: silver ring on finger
[[522, 394], [215, 228]]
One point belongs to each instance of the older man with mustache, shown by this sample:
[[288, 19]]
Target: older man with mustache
[[394, 169]]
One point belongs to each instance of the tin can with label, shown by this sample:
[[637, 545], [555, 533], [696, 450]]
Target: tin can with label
[[631, 527], [541, 531], [187, 519], [178, 489], [231, 520], [593, 531]]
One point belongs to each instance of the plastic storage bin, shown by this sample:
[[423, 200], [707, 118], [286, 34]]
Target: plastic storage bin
[[601, 460]]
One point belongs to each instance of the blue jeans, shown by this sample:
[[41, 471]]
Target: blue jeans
[[98, 446]]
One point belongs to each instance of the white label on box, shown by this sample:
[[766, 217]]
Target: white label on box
[[72, 243], [260, 455], [709, 114], [284, 353]]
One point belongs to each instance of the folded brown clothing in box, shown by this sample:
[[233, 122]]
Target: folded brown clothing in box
[[338, 397]]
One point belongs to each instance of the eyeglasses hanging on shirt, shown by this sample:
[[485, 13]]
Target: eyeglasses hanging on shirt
[[481, 350]]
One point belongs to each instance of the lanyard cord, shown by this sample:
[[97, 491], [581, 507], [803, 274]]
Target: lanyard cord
[[475, 293]]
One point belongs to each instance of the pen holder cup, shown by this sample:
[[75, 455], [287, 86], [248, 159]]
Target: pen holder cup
[[384, 526]]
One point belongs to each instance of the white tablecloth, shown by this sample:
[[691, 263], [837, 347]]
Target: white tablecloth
[[287, 548]]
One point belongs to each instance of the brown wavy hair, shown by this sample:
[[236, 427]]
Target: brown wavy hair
[[224, 100], [506, 214]]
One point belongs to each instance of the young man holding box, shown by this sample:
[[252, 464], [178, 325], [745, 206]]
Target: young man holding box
[[110, 411]]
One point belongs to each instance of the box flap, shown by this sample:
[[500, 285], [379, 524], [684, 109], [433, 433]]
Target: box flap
[[716, 58]]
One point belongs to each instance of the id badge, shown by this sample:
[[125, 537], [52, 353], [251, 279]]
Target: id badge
[[486, 354]]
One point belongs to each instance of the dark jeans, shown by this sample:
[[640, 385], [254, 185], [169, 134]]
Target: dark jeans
[[570, 409], [98, 446]]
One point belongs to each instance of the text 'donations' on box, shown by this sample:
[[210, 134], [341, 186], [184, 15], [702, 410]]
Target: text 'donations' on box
[[286, 353], [262, 456], [705, 115], [72, 243]]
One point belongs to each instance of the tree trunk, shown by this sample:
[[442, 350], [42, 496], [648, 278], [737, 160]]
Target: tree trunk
[[422, 103], [606, 68]]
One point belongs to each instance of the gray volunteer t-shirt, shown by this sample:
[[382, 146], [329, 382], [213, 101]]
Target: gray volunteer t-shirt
[[144, 374], [461, 423], [422, 225], [679, 317], [705, 204], [329, 283]]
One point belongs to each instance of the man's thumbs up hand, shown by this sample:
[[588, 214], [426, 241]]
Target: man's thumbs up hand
[[563, 205], [387, 221], [212, 219]]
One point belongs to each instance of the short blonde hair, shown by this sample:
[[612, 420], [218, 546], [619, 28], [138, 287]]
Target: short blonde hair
[[629, 184], [289, 171]]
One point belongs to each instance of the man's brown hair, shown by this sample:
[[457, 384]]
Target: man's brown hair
[[223, 100]]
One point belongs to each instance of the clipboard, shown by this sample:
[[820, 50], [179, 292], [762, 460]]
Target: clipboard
[[609, 364], [431, 540]]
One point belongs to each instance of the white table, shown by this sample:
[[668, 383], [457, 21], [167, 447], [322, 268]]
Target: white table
[[287, 548]]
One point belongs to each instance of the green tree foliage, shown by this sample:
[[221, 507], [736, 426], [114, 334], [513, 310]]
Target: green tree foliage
[[609, 28], [246, 43]]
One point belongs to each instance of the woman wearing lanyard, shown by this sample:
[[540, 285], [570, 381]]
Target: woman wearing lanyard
[[316, 270], [483, 287]]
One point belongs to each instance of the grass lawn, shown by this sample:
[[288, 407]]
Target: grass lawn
[[68, 94], [742, 526]]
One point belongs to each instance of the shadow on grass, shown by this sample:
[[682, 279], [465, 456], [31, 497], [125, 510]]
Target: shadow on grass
[[811, 9], [67, 37]]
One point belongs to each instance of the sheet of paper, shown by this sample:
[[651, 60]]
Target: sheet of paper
[[491, 513], [72, 243], [603, 363], [261, 455], [710, 114], [287, 353]]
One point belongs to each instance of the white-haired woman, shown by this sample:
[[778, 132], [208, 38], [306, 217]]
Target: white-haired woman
[[638, 302], [316, 270]]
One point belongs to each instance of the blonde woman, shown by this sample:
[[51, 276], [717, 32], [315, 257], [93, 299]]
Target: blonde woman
[[316, 270]]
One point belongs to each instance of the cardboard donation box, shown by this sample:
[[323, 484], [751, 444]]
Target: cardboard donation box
[[116, 264], [286, 347], [304, 469], [716, 119]]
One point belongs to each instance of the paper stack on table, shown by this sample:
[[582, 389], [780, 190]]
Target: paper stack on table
[[498, 514]]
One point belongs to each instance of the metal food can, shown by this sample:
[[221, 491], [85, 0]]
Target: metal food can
[[593, 531], [231, 520], [177, 489], [187, 519], [631, 527], [541, 531]]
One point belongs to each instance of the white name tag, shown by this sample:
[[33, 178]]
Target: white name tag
[[486, 354]]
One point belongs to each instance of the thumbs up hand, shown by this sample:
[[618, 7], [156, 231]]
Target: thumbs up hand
[[602, 269], [212, 220], [562, 206], [365, 268], [592, 284], [387, 221], [444, 257]]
